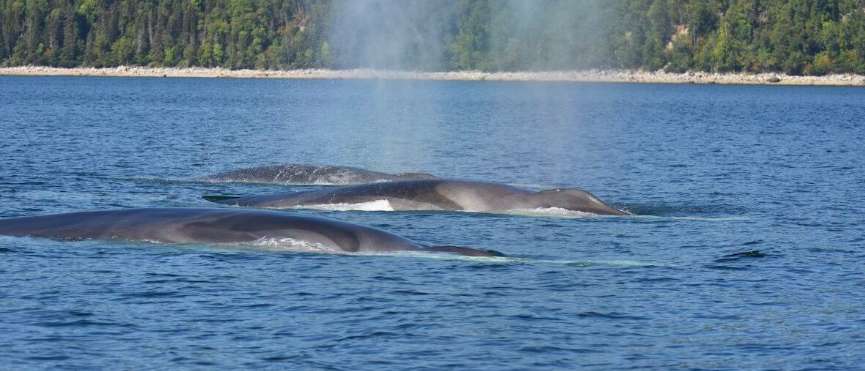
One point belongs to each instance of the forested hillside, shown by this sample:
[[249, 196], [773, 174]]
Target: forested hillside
[[810, 37]]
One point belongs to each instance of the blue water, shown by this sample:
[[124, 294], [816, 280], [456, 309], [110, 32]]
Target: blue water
[[746, 250]]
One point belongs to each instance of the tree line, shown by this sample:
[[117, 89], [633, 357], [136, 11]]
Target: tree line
[[810, 37]]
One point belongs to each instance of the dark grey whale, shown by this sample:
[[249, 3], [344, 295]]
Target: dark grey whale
[[180, 225], [435, 194], [298, 174]]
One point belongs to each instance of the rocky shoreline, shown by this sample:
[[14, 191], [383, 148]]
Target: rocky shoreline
[[604, 76]]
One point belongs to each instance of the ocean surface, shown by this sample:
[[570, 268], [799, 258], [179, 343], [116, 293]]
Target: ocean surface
[[746, 249]]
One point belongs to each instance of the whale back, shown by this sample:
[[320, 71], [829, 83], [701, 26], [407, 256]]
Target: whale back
[[412, 176], [482, 196], [205, 226], [433, 194], [573, 199], [301, 174], [429, 194], [172, 225], [402, 195]]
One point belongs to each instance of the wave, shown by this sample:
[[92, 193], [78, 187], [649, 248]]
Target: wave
[[693, 218], [291, 245], [520, 260], [159, 180], [295, 245], [679, 209]]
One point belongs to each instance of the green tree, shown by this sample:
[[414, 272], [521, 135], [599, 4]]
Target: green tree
[[657, 36], [791, 36]]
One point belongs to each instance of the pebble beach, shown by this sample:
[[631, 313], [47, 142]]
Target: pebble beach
[[600, 76]]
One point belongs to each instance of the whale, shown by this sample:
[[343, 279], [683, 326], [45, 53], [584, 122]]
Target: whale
[[299, 174], [432, 194], [220, 226]]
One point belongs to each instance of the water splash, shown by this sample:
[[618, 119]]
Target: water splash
[[551, 212], [377, 205], [288, 244]]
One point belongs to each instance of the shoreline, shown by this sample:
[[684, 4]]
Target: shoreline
[[594, 76]]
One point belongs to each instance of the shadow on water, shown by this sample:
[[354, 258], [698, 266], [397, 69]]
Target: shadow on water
[[684, 211], [740, 261], [745, 255]]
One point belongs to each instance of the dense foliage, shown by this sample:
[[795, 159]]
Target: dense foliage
[[791, 36]]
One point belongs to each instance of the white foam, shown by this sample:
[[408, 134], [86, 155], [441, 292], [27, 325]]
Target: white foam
[[377, 205], [317, 182], [290, 244], [384, 205], [533, 186], [550, 211]]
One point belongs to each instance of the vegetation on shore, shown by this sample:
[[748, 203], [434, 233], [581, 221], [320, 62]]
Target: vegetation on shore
[[797, 37]]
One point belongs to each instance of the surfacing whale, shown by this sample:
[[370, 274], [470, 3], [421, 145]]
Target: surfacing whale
[[219, 226], [298, 174], [438, 194]]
